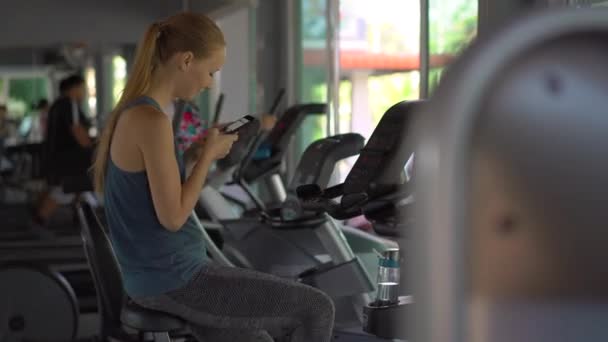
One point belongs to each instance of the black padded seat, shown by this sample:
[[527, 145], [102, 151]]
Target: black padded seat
[[142, 319], [115, 308]]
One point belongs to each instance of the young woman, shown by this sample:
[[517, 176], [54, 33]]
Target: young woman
[[148, 200]]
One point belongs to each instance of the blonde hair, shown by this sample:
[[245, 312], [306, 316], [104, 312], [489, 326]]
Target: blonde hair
[[181, 32]]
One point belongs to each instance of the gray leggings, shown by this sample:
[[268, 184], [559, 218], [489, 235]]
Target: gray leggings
[[235, 304]]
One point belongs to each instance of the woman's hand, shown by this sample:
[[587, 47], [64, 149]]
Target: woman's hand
[[221, 126], [217, 145], [267, 122]]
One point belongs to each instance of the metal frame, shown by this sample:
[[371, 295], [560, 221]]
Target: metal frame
[[439, 267], [332, 43], [293, 57], [424, 49], [54, 276], [252, 55], [586, 2]]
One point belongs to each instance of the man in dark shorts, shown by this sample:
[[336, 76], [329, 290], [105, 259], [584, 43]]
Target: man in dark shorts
[[68, 147]]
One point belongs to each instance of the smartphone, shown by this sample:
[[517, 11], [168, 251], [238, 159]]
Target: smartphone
[[409, 168], [238, 124]]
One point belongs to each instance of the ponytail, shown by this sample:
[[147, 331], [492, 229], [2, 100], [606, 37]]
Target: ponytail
[[138, 83]]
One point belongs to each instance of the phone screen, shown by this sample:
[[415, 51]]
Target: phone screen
[[233, 127], [409, 168]]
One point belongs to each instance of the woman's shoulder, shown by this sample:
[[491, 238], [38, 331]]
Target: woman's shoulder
[[146, 126], [146, 116]]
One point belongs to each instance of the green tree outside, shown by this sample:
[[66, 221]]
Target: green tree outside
[[452, 27], [24, 93]]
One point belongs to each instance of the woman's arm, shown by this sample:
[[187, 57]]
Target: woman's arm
[[192, 155], [173, 201]]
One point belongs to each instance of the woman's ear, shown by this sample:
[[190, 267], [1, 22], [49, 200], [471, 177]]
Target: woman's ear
[[186, 60]]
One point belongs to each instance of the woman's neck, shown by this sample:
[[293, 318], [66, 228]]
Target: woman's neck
[[161, 90]]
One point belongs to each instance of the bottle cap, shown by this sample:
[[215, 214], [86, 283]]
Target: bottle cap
[[389, 258]]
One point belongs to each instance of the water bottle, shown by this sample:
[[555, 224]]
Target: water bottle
[[388, 278]]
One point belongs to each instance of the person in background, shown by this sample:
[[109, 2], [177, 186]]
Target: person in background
[[187, 124], [42, 107], [68, 147]]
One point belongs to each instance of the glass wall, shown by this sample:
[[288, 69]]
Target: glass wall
[[379, 57], [119, 77], [379, 62], [24, 93], [452, 26], [21, 91], [379, 54], [313, 67]]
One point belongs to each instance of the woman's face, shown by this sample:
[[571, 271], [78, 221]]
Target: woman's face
[[196, 75]]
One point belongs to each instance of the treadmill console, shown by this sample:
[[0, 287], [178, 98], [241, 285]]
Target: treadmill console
[[377, 182], [380, 167], [317, 165], [279, 137]]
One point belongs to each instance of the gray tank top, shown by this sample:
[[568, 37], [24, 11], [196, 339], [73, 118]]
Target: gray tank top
[[152, 259]]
